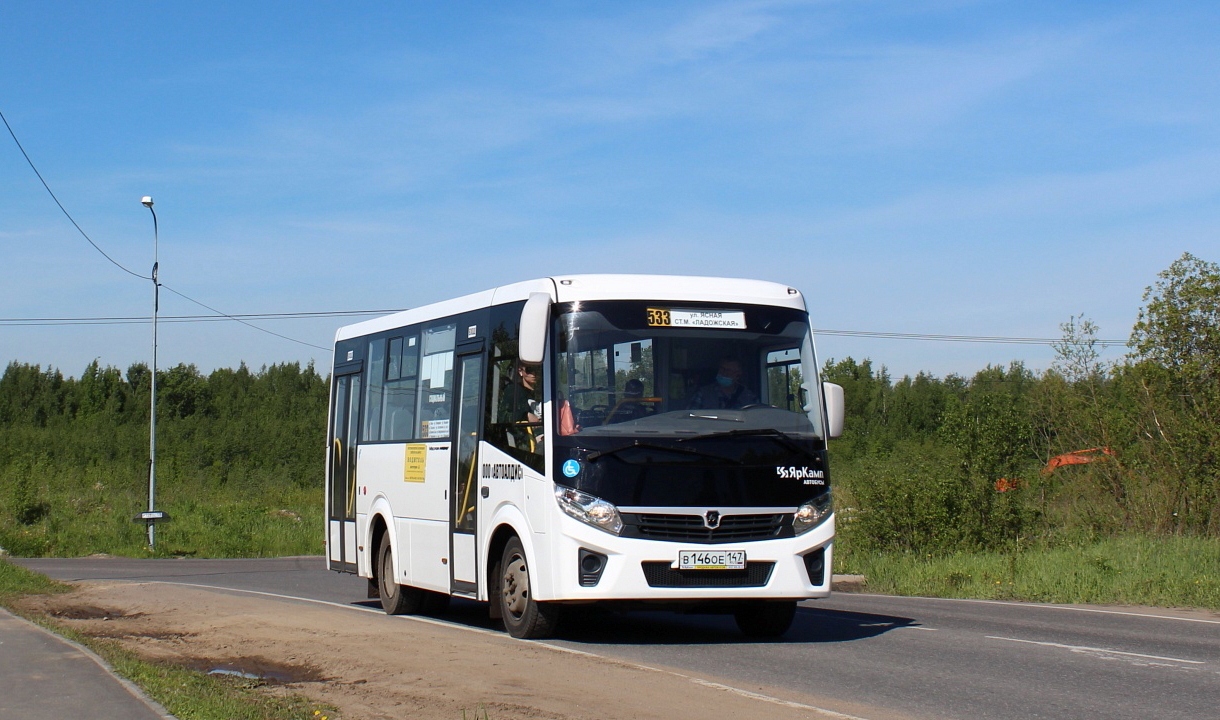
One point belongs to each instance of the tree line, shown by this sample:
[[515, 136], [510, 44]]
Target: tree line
[[271, 418], [936, 464]]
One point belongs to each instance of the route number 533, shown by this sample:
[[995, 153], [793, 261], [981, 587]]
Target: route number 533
[[658, 317]]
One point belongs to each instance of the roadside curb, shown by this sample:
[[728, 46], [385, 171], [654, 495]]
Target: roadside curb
[[127, 685], [848, 583]]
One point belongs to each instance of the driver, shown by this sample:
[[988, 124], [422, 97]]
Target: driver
[[521, 406], [726, 392]]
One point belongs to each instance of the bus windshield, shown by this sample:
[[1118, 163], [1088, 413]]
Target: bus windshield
[[646, 369]]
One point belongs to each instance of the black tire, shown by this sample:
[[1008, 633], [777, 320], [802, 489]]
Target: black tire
[[395, 599], [766, 619], [523, 616]]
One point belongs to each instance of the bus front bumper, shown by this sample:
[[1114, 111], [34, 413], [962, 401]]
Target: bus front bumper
[[592, 565]]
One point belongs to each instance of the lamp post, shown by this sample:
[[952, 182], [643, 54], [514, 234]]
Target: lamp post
[[151, 517]]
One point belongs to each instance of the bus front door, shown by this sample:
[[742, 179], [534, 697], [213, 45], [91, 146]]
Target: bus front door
[[341, 479], [465, 481]]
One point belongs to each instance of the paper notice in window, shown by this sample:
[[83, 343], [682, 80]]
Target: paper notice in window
[[436, 428]]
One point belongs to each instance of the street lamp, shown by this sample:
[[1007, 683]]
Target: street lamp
[[153, 515]]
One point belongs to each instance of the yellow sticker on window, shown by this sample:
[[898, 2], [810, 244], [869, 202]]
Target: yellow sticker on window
[[417, 460]]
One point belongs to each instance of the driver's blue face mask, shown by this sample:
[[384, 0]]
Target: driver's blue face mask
[[723, 381]]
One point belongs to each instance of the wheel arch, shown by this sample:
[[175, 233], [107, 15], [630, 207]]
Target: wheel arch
[[380, 525], [500, 536]]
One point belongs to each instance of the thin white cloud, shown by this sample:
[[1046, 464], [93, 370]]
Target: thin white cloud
[[717, 28]]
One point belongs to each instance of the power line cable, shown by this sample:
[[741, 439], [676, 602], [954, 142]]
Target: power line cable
[[119, 265], [144, 319], [998, 340], [243, 322], [61, 205], [132, 320]]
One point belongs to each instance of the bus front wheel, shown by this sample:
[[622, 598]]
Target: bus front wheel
[[523, 616], [395, 599], [766, 619]]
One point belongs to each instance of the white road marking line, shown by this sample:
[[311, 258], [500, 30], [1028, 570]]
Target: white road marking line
[[914, 627], [709, 684], [1082, 648], [560, 648], [1046, 607], [574, 651], [774, 700]]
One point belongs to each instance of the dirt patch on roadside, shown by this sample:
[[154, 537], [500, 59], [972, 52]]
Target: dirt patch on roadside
[[373, 666], [86, 612], [265, 670]]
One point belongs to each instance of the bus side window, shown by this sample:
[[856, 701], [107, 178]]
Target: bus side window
[[784, 379], [436, 381], [373, 390], [398, 421]]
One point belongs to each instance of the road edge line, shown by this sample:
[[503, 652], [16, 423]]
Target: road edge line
[[1108, 651], [1042, 606]]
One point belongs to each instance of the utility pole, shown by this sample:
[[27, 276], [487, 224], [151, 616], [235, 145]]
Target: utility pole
[[151, 517]]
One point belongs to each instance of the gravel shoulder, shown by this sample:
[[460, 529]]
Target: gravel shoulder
[[373, 666]]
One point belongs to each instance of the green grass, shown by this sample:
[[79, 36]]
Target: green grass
[[186, 694], [1162, 572], [77, 511], [15, 581]]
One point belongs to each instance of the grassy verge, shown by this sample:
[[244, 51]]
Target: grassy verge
[[75, 511], [16, 581], [1163, 572], [186, 694]]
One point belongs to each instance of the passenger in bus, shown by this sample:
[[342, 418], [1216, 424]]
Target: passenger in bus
[[521, 407], [522, 400], [726, 392]]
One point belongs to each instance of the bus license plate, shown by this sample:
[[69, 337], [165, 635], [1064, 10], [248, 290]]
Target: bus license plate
[[711, 559]]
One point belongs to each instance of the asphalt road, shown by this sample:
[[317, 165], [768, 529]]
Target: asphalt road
[[917, 656]]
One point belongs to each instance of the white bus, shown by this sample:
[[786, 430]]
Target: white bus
[[634, 440]]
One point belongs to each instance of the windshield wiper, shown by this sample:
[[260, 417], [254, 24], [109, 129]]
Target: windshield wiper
[[779, 436], [656, 446]]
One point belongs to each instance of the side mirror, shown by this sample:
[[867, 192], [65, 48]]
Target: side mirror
[[535, 317], [834, 409]]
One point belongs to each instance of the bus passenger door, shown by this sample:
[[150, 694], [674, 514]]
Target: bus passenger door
[[341, 478], [468, 412]]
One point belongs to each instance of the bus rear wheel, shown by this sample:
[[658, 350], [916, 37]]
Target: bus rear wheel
[[524, 617], [765, 619], [395, 599]]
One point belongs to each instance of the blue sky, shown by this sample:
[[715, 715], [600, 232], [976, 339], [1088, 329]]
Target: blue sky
[[961, 168]]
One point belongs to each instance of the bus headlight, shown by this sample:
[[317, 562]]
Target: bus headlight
[[589, 509], [812, 513]]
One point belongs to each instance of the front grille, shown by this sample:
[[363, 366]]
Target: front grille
[[660, 574], [690, 528]]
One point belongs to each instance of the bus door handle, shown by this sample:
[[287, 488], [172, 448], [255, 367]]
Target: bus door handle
[[484, 491]]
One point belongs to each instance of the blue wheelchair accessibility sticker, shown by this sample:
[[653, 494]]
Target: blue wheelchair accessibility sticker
[[571, 468]]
